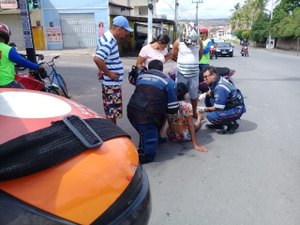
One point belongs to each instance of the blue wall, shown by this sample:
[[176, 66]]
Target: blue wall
[[52, 9]]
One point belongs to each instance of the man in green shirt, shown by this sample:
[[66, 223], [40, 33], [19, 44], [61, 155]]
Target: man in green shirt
[[8, 58], [204, 61]]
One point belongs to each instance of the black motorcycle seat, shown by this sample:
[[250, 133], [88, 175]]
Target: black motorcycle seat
[[223, 70]]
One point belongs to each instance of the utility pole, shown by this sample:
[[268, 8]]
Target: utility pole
[[27, 32], [150, 20], [197, 3], [270, 45], [176, 16]]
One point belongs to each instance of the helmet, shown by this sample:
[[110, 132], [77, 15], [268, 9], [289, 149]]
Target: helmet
[[4, 32], [189, 34], [134, 73], [204, 30]]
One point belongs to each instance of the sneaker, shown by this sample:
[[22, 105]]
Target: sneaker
[[215, 126], [162, 140], [231, 128]]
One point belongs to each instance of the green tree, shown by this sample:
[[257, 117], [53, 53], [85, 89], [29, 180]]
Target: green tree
[[286, 21], [260, 31], [246, 35]]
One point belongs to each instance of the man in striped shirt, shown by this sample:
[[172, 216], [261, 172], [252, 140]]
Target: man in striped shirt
[[110, 67]]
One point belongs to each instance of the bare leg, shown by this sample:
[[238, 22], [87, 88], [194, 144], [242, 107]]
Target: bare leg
[[199, 121], [194, 105]]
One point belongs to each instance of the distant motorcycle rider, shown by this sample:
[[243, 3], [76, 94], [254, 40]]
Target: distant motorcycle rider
[[224, 102], [8, 58]]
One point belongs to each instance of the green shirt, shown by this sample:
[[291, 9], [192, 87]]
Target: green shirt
[[205, 57], [7, 67]]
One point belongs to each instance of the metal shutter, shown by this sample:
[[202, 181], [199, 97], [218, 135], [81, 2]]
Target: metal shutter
[[15, 24], [78, 30]]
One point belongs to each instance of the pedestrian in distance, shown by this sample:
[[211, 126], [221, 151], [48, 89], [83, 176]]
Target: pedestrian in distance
[[110, 67], [205, 59], [8, 58], [154, 96], [157, 49], [181, 126], [224, 103], [187, 51]]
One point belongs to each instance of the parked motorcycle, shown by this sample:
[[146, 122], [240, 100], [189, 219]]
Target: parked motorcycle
[[222, 71], [245, 51], [213, 52]]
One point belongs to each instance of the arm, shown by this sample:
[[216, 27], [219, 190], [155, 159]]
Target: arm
[[140, 61], [193, 135], [102, 67], [175, 50], [207, 48], [15, 57], [201, 49], [168, 56], [170, 90]]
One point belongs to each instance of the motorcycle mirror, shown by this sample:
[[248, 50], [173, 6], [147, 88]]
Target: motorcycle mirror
[[40, 57]]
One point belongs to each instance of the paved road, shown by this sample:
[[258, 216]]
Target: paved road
[[249, 178]]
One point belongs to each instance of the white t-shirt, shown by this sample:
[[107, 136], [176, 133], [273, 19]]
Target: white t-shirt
[[150, 53]]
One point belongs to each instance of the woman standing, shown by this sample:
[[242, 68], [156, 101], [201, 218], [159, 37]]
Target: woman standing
[[157, 49]]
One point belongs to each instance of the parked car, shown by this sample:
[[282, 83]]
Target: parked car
[[224, 49], [46, 178]]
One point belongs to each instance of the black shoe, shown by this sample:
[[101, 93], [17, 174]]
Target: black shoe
[[162, 140], [144, 158], [231, 128], [215, 126]]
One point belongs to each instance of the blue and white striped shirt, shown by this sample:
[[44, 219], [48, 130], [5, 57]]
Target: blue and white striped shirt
[[108, 51]]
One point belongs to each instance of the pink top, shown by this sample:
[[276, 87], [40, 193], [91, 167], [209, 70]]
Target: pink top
[[150, 53]]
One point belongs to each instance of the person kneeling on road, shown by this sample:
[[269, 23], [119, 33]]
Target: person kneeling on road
[[154, 96], [181, 127], [224, 102]]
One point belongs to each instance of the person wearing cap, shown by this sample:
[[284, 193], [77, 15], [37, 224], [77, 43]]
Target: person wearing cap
[[187, 51], [205, 59], [110, 67], [8, 58], [181, 126]]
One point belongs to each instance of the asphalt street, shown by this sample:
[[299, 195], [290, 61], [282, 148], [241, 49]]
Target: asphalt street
[[249, 178]]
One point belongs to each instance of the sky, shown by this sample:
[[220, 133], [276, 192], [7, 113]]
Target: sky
[[209, 9]]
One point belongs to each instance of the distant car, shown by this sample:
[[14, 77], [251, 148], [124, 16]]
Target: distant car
[[224, 49]]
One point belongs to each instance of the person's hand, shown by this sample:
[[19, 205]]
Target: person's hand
[[202, 97], [100, 75], [202, 109], [200, 148], [42, 66], [114, 76]]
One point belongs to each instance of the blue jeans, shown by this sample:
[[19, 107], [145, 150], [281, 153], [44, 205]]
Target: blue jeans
[[148, 139], [225, 117], [13, 84], [202, 67]]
